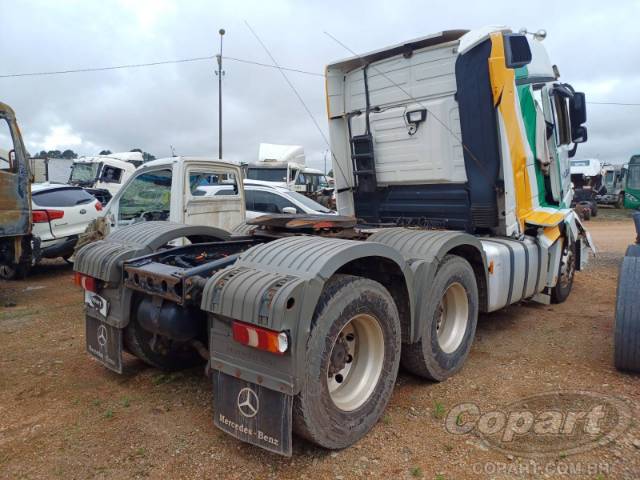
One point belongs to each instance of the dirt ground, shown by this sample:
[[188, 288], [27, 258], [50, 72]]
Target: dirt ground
[[64, 416]]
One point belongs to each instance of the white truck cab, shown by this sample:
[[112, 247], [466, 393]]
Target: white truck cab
[[164, 190], [103, 175]]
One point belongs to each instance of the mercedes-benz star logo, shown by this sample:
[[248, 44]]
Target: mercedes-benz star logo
[[102, 335], [248, 403]]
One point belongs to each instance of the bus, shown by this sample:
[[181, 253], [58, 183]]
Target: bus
[[632, 189]]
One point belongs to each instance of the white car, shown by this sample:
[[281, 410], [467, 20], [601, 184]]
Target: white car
[[59, 214], [263, 198]]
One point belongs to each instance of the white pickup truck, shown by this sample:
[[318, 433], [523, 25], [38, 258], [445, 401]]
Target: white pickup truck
[[168, 189]]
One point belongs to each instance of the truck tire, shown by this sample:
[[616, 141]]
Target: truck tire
[[627, 326], [169, 356], [352, 358], [449, 323], [594, 209], [633, 250], [620, 201], [14, 271], [566, 273]]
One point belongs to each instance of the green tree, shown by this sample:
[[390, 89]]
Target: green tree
[[69, 154], [105, 152]]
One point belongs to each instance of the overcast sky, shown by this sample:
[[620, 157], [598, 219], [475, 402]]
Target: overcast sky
[[595, 44]]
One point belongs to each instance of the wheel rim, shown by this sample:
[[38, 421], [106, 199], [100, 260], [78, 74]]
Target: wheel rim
[[451, 323], [567, 269], [355, 363]]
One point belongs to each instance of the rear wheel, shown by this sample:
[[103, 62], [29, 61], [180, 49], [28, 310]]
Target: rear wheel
[[566, 273], [352, 360], [594, 209], [13, 271], [449, 323], [627, 326], [620, 201], [159, 351]]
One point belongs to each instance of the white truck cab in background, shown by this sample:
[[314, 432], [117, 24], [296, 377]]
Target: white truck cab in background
[[103, 175]]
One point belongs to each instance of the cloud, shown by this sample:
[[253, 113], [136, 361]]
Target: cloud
[[153, 108]]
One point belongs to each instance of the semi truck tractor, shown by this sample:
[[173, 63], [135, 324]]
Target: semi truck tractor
[[451, 157]]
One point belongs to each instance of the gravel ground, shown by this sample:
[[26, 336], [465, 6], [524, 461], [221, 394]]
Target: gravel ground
[[64, 416]]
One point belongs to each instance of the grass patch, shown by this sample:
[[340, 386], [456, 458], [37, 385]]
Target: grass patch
[[416, 472], [164, 378], [438, 410], [126, 402], [108, 413]]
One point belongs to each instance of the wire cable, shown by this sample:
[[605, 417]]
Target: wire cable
[[617, 104], [153, 64], [295, 91]]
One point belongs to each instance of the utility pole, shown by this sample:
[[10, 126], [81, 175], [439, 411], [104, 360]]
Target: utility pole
[[219, 73]]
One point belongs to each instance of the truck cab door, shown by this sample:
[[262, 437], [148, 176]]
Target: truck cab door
[[211, 193], [15, 186], [556, 113]]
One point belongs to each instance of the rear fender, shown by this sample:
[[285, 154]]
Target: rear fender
[[423, 250], [277, 285]]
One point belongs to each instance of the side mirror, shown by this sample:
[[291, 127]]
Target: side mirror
[[578, 111], [517, 52], [580, 134], [289, 210]]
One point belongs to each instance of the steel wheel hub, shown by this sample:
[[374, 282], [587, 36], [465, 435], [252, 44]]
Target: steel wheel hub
[[453, 316], [356, 361]]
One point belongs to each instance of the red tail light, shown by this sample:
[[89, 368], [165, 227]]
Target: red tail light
[[44, 216], [98, 206], [260, 338], [86, 282]]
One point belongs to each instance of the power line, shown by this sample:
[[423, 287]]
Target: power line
[[295, 91], [619, 104], [153, 64]]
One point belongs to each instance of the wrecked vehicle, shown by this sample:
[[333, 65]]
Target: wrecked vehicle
[[16, 245], [173, 189], [450, 205], [103, 175], [586, 176]]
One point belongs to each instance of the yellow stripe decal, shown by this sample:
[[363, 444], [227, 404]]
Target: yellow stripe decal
[[552, 233], [505, 98]]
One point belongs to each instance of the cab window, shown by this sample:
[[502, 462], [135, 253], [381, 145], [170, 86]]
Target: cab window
[[111, 174], [147, 197], [7, 153], [561, 119], [203, 183]]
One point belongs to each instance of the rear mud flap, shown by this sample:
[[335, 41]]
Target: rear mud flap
[[104, 343], [252, 413]]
